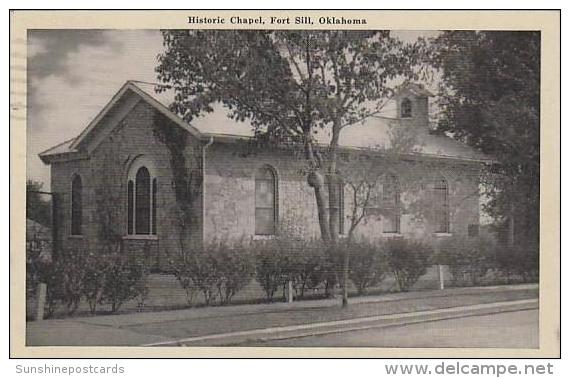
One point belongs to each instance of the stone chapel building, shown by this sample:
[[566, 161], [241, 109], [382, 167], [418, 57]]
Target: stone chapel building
[[120, 181]]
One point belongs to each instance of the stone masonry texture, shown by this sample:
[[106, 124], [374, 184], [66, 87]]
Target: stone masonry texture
[[228, 191]]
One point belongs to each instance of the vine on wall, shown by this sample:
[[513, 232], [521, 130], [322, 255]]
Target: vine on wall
[[187, 175]]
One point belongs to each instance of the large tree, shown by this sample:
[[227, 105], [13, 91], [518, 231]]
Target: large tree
[[490, 97], [288, 84]]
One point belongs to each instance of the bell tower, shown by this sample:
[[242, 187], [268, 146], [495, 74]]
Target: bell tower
[[412, 105]]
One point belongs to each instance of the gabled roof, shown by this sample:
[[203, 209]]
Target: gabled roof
[[130, 86], [375, 133]]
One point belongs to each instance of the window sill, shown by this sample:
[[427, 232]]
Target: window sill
[[263, 237], [140, 237], [75, 236], [442, 234], [392, 235]]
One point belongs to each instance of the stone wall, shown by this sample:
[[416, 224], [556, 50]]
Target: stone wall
[[230, 192], [104, 177]]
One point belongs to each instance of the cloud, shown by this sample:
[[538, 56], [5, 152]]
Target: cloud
[[48, 50], [80, 75], [72, 74]]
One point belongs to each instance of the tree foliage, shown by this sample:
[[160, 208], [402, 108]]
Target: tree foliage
[[490, 97], [37, 208], [288, 84]]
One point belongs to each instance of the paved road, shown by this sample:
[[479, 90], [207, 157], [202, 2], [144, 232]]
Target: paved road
[[507, 330]]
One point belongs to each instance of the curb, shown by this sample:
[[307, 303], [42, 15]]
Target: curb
[[347, 325]]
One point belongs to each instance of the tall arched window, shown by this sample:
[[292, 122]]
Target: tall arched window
[[141, 199], [265, 201], [142, 202], [76, 205], [406, 108], [441, 204], [391, 205]]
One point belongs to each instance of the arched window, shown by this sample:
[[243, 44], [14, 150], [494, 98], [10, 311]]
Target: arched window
[[406, 108], [265, 201], [391, 205], [142, 202], [141, 199], [441, 204], [76, 205]]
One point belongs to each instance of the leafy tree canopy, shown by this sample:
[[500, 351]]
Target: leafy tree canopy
[[37, 208], [287, 83], [490, 99]]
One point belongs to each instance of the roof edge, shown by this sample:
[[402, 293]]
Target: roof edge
[[130, 85]]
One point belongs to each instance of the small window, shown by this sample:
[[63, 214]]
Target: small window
[[391, 205], [441, 203], [265, 201], [406, 108], [76, 205]]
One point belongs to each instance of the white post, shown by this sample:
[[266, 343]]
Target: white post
[[290, 292], [440, 277], [42, 288]]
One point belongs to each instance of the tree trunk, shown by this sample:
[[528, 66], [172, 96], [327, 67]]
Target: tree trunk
[[334, 225], [316, 181], [334, 210], [345, 278]]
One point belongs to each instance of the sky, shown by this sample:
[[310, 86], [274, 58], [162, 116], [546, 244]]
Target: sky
[[72, 74]]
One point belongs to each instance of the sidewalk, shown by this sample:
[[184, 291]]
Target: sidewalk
[[203, 323]]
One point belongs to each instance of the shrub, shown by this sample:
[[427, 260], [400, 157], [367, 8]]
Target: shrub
[[63, 278], [72, 274], [468, 259], [218, 269], [408, 260], [184, 277], [368, 265], [235, 267], [93, 285], [52, 275], [284, 259], [519, 262], [201, 269], [332, 268], [111, 278], [124, 280], [272, 268], [309, 262]]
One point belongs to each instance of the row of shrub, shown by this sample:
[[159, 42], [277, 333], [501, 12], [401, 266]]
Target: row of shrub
[[219, 270], [472, 260], [110, 279]]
